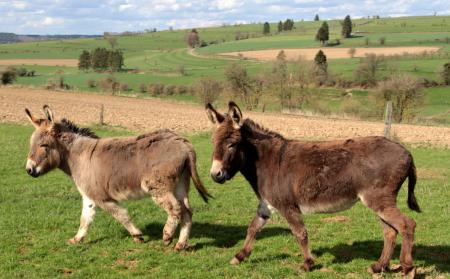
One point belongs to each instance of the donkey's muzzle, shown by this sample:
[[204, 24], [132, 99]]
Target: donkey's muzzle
[[219, 177], [32, 171]]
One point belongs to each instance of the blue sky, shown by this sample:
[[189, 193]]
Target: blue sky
[[94, 17]]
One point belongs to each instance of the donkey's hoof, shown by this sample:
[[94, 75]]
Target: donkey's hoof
[[235, 261], [181, 246], [307, 265], [376, 267], [409, 272], [167, 242], [138, 239], [73, 241]]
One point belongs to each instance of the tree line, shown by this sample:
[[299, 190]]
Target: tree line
[[101, 59]]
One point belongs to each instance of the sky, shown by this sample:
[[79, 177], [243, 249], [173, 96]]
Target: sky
[[91, 17]]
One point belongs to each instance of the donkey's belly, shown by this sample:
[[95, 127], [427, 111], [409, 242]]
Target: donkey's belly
[[128, 194], [327, 206]]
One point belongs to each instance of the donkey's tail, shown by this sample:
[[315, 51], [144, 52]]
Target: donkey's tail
[[195, 178], [412, 178]]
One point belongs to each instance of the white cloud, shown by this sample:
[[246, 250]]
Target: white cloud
[[94, 17]]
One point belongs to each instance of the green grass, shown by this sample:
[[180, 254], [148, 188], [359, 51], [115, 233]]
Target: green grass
[[39, 215]]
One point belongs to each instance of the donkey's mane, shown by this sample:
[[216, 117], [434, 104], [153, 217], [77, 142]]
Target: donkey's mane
[[256, 128], [86, 132]]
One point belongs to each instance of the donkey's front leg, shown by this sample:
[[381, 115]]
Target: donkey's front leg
[[121, 215], [87, 216], [258, 222]]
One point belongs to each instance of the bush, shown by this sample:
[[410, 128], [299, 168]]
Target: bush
[[91, 83], [8, 76], [125, 87], [382, 40], [142, 88], [182, 89], [22, 72], [169, 90], [366, 41], [109, 84], [405, 93], [156, 89], [445, 74]]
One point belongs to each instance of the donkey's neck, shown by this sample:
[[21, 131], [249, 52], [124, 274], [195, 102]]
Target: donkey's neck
[[78, 151], [263, 152]]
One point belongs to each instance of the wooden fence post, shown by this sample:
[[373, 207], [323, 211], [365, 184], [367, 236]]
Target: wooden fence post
[[388, 120], [102, 110]]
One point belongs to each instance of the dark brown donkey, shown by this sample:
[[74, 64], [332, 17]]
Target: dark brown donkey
[[108, 170], [295, 177]]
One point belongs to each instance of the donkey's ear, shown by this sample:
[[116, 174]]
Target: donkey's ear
[[48, 113], [213, 115], [36, 123], [236, 115]]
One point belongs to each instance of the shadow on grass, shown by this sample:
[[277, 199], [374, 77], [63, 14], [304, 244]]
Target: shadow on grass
[[438, 255], [221, 235]]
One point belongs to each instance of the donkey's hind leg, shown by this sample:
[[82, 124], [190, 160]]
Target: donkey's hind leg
[[181, 194], [173, 208], [121, 215], [391, 215], [405, 226], [390, 234], [87, 216]]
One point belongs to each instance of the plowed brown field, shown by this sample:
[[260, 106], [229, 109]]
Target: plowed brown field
[[41, 62], [331, 53], [149, 114]]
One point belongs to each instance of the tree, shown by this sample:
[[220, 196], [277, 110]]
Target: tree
[[84, 61], [347, 27], [266, 28], [445, 74], [323, 33], [279, 77], [99, 59], [280, 26], [316, 17], [112, 41], [405, 93], [288, 25], [115, 60], [193, 39], [209, 90], [321, 69], [367, 71], [242, 85]]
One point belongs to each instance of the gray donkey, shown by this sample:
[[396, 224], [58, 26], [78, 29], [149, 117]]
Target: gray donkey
[[108, 170]]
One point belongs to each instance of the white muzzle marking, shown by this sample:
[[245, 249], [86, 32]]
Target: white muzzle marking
[[216, 167], [30, 164]]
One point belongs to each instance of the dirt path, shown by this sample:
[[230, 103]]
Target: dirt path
[[331, 53], [41, 62], [149, 114]]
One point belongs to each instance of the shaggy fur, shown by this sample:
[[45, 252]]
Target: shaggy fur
[[295, 177]]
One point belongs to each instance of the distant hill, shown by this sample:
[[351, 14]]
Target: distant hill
[[7, 38]]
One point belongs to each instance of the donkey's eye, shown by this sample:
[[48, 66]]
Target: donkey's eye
[[45, 146], [231, 145]]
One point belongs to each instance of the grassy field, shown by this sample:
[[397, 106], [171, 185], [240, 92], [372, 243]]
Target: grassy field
[[39, 215]]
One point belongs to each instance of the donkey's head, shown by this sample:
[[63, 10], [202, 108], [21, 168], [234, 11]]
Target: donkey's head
[[44, 154], [228, 153]]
